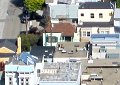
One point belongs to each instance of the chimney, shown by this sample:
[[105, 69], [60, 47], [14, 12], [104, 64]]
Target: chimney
[[19, 45]]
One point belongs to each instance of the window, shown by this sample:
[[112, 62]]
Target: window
[[84, 33], [38, 72], [100, 15], [92, 15], [107, 32], [10, 81], [82, 14], [54, 39], [27, 81], [88, 33], [102, 32]]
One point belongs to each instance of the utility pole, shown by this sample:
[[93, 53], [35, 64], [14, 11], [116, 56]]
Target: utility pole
[[51, 34], [26, 22]]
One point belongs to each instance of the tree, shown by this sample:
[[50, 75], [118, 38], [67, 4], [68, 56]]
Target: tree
[[118, 3], [28, 40], [34, 5]]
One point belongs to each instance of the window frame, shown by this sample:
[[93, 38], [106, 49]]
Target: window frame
[[92, 15], [87, 34], [82, 14], [100, 15]]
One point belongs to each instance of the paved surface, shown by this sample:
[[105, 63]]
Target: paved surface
[[3, 14], [12, 26]]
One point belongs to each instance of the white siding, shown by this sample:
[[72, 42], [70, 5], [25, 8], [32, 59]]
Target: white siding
[[87, 12]]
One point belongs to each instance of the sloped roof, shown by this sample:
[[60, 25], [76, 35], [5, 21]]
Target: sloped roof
[[66, 29], [97, 24], [96, 5], [39, 51], [8, 43]]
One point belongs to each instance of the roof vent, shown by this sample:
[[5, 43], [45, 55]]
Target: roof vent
[[80, 23], [46, 50]]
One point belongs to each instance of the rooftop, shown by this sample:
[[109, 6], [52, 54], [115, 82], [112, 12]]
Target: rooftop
[[107, 68], [64, 11], [96, 5], [40, 51], [97, 24], [60, 72], [67, 29], [71, 50]]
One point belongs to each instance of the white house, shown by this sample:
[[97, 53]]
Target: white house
[[22, 70], [95, 18], [59, 32]]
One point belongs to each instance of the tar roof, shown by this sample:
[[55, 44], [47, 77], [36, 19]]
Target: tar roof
[[64, 11], [96, 5], [73, 50], [60, 72], [8, 43], [96, 24], [66, 29], [40, 51]]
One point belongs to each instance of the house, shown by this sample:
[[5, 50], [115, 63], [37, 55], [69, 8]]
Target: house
[[8, 48], [60, 32], [105, 46], [25, 72], [95, 18], [63, 12], [117, 20], [98, 72], [22, 72], [43, 51]]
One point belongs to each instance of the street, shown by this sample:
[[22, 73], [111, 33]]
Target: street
[[3, 14], [10, 21]]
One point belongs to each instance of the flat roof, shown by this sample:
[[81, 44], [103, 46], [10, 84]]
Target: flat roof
[[110, 74], [60, 72], [73, 50]]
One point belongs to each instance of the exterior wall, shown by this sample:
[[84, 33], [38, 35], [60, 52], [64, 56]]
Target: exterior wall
[[14, 78], [58, 35], [54, 21], [58, 83], [117, 23], [76, 37], [38, 66], [98, 55], [6, 50], [30, 76], [55, 60], [94, 30], [4, 59], [87, 17]]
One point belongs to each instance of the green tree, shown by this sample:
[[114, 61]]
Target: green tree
[[28, 40], [34, 5], [118, 3]]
